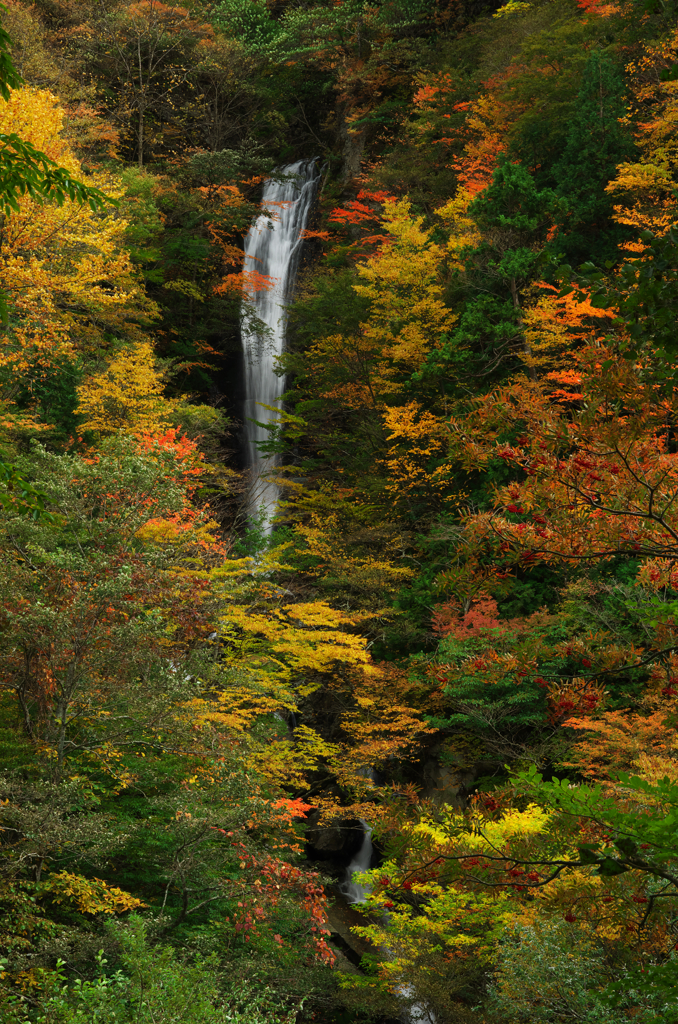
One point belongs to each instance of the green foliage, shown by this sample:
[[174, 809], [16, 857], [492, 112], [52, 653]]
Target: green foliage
[[326, 305], [151, 986], [551, 974], [513, 205], [307, 31], [540, 134], [19, 496], [643, 835], [144, 229], [249, 21], [90, 557], [140, 664], [512, 215], [51, 391], [596, 143], [23, 168], [493, 682], [644, 293], [654, 985]]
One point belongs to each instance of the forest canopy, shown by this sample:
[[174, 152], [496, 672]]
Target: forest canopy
[[410, 751]]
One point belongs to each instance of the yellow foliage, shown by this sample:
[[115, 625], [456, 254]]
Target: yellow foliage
[[462, 229], [295, 639], [273, 653], [416, 437], [127, 395], [388, 720], [448, 923], [324, 539], [234, 710], [404, 282], [65, 270], [512, 7], [645, 190], [287, 762], [90, 895], [483, 835], [354, 370]]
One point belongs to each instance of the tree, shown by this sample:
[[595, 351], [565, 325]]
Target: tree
[[68, 276], [128, 395], [145, 46], [642, 189], [365, 372], [602, 858], [344, 43], [153, 985], [611, 494], [69, 622], [597, 143], [498, 257], [25, 169]]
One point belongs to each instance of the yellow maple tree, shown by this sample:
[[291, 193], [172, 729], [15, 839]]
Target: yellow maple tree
[[644, 189], [89, 895], [128, 394], [405, 285], [67, 275]]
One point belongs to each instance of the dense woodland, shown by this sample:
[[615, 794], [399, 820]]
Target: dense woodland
[[463, 629]]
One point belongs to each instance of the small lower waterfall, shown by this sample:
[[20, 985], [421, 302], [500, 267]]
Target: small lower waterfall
[[353, 892], [272, 249]]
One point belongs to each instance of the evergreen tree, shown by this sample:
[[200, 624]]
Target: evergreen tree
[[513, 216], [597, 142]]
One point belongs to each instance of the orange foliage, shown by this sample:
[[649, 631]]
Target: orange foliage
[[644, 190], [597, 483], [359, 213], [189, 460], [624, 741], [584, 696], [488, 121], [482, 615], [600, 8]]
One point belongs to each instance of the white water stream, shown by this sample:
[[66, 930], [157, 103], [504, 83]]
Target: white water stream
[[272, 249], [354, 892], [416, 1013]]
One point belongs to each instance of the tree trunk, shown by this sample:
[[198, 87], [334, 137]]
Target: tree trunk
[[61, 713], [142, 107], [526, 347], [140, 138], [353, 144]]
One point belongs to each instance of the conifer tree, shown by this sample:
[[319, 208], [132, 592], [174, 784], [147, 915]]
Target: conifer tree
[[512, 217], [597, 142]]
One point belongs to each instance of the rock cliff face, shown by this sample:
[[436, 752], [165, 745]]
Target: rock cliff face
[[338, 841]]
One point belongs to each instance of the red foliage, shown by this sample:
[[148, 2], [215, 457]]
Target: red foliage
[[482, 615], [268, 878], [360, 213], [355, 213]]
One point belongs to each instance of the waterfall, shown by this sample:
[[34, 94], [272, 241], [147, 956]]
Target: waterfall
[[354, 892], [416, 1013], [272, 249]]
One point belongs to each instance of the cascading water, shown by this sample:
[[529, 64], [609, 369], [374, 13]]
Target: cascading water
[[353, 891], [272, 249], [416, 1013]]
